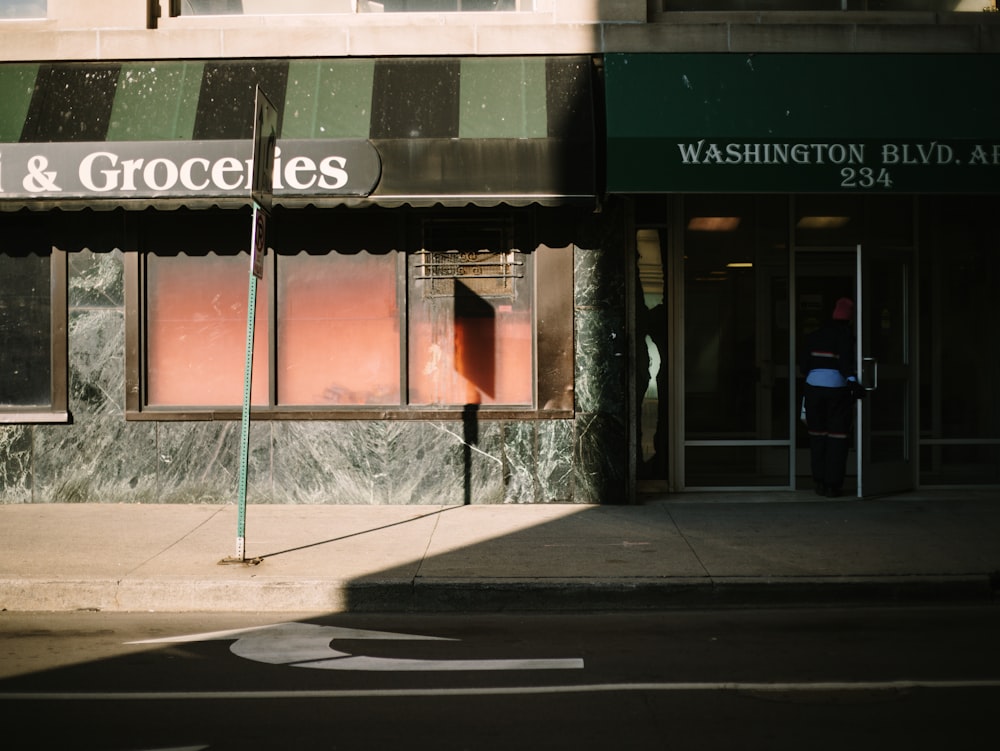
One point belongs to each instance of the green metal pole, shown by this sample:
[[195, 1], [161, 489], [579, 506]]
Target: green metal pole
[[245, 427]]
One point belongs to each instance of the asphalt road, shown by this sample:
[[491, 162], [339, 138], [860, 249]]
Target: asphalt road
[[833, 678]]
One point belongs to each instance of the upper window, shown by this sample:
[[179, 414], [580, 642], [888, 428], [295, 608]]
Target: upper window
[[32, 335], [23, 8], [451, 322], [881, 6], [291, 7]]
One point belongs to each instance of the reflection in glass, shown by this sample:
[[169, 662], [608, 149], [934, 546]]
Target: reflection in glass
[[467, 349], [469, 319], [651, 354], [25, 331], [744, 466], [959, 318], [554, 327]]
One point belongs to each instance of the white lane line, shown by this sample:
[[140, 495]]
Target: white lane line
[[497, 690]]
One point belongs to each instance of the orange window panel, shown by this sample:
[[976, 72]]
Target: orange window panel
[[196, 323], [338, 330]]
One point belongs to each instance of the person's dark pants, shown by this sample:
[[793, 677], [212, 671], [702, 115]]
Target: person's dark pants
[[829, 415]]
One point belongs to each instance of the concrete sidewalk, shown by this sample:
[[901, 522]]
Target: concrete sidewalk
[[694, 551]]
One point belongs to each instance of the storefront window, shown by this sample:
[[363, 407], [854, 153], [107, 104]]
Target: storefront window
[[338, 330], [196, 326], [32, 336], [450, 324], [25, 337], [23, 8], [469, 319], [959, 315], [735, 341]]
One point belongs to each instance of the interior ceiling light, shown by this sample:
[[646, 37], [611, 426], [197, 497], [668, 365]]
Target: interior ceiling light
[[739, 265], [713, 223], [822, 222]]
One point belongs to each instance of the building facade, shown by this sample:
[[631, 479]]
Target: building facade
[[522, 251]]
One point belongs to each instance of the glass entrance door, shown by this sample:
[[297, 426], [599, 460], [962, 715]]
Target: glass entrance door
[[882, 454], [886, 435], [822, 276]]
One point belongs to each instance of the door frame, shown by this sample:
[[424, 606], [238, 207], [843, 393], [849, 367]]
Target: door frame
[[885, 477], [873, 478]]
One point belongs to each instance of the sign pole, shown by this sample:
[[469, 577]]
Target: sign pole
[[245, 427], [264, 138]]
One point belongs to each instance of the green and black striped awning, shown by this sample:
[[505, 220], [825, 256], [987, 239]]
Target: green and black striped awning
[[418, 131]]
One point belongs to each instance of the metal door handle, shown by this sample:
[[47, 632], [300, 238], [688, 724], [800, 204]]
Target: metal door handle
[[874, 363]]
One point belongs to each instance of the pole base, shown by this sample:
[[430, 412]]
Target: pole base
[[244, 561]]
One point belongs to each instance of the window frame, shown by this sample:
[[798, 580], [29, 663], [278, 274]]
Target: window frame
[[27, 17], [136, 407], [57, 411]]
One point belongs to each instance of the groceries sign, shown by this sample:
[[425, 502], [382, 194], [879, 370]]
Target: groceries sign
[[183, 169]]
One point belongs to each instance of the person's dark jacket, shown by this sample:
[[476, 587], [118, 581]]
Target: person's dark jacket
[[830, 346]]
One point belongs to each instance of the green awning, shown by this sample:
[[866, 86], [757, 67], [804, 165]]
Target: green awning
[[803, 123], [387, 131]]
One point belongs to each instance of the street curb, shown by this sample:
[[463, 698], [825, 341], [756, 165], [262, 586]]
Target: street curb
[[485, 595]]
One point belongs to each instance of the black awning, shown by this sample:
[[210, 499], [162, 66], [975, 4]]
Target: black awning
[[417, 131]]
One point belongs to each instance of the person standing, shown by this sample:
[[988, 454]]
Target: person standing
[[829, 361]]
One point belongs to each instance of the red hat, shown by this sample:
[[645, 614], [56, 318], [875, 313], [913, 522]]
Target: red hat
[[844, 309]]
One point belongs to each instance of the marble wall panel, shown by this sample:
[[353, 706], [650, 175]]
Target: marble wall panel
[[538, 458], [96, 362], [482, 463], [599, 278], [601, 360], [15, 464], [98, 459], [600, 465], [446, 470], [386, 462], [520, 462], [96, 280], [199, 462], [331, 462], [554, 451]]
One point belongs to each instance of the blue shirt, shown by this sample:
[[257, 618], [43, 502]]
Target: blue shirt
[[828, 378]]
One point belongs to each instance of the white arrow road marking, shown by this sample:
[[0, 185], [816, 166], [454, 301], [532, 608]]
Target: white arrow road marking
[[305, 645]]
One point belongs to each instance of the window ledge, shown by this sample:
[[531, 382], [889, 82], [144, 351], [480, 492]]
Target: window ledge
[[28, 418], [436, 415]]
